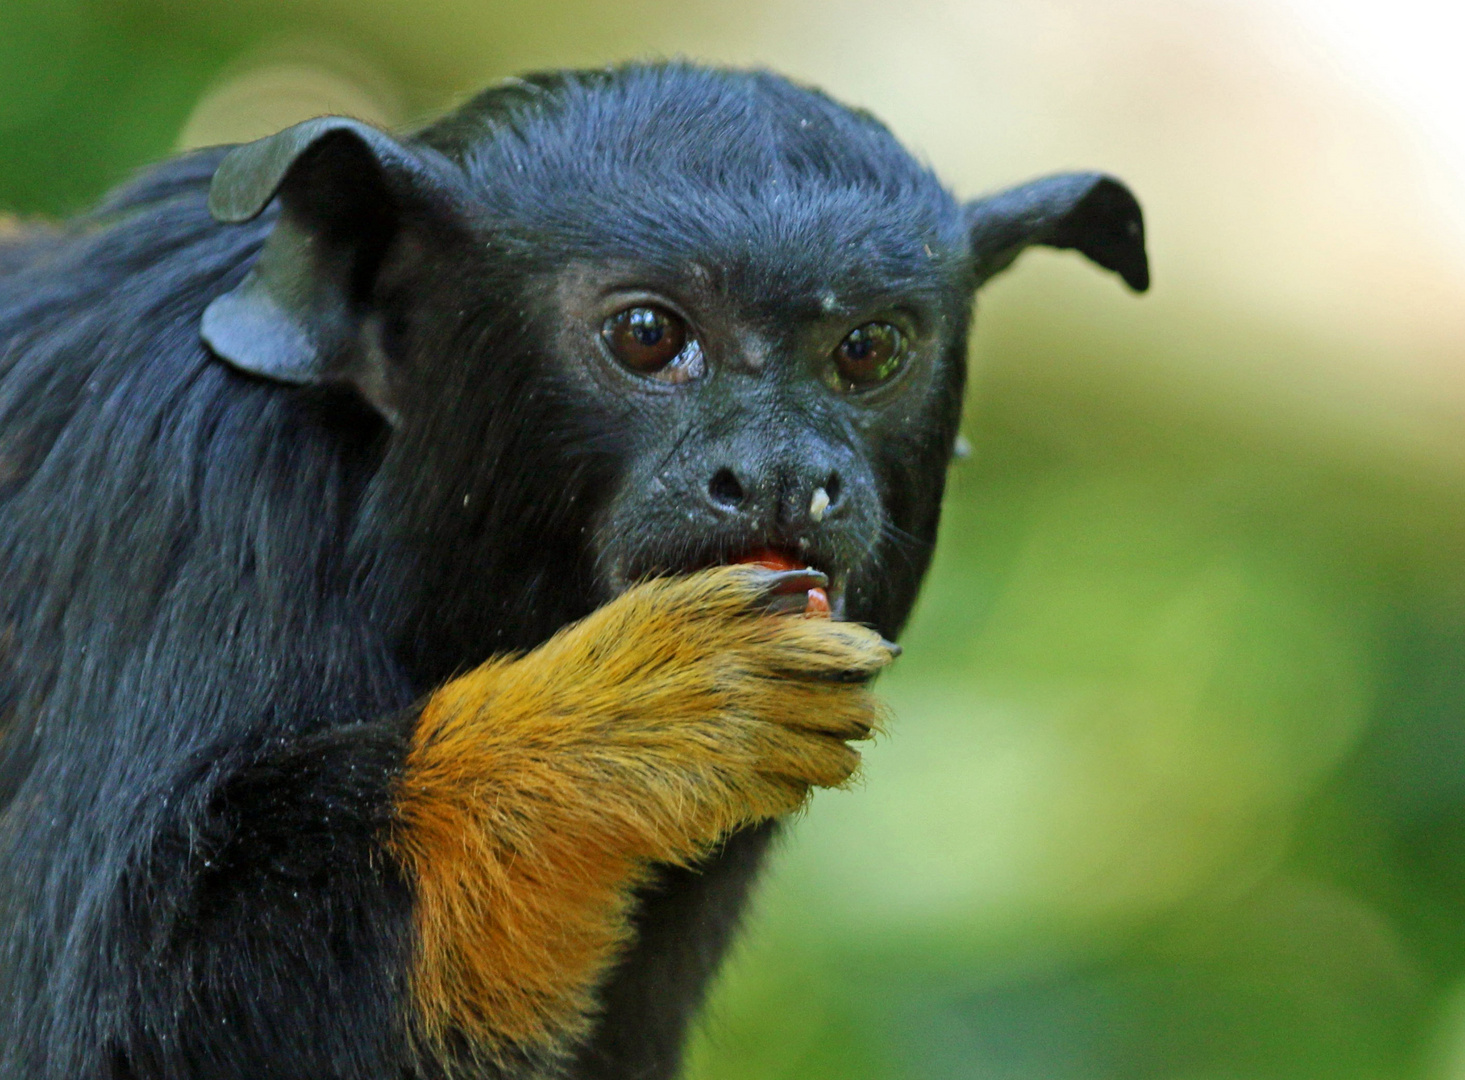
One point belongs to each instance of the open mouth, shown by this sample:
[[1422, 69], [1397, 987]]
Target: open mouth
[[817, 598]]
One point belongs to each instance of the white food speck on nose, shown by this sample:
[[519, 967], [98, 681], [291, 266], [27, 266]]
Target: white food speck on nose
[[818, 504]]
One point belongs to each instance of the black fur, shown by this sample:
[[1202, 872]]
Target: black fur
[[220, 596]]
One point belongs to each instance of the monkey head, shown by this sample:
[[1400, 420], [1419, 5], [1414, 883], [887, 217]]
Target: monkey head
[[631, 322]]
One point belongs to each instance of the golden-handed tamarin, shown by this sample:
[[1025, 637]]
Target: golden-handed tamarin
[[428, 565]]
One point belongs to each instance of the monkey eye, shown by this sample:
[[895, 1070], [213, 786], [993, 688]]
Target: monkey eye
[[652, 341], [869, 355]]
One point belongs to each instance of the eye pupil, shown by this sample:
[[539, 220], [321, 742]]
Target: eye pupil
[[647, 325], [868, 355], [858, 345]]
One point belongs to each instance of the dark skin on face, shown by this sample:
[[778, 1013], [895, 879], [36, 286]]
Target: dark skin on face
[[752, 426], [377, 698]]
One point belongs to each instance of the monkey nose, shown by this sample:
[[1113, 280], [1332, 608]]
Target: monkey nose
[[779, 498]]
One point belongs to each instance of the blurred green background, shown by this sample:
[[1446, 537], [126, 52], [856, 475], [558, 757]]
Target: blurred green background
[[1177, 788]]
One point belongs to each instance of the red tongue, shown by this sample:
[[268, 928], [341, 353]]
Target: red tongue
[[777, 560]]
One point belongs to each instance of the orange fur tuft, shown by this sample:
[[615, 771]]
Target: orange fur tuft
[[539, 790]]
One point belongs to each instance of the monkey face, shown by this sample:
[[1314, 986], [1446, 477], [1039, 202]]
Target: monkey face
[[759, 301], [794, 406], [637, 322]]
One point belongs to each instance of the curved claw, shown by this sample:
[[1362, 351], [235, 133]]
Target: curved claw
[[787, 590]]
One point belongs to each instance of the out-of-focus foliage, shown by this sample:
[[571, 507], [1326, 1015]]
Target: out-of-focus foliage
[[1177, 789]]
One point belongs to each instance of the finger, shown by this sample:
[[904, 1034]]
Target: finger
[[819, 651], [809, 758], [794, 603], [777, 585], [841, 710]]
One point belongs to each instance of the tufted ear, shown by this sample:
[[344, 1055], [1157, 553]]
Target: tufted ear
[[303, 314], [1090, 212]]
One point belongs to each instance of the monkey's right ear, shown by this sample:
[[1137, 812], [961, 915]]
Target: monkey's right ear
[[1090, 212], [345, 189]]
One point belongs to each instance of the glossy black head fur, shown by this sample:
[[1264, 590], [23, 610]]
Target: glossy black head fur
[[460, 281]]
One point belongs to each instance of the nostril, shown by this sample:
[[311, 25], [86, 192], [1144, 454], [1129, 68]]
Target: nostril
[[831, 488], [725, 489]]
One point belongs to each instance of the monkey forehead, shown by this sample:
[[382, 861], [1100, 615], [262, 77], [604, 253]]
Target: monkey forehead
[[815, 259], [743, 168]]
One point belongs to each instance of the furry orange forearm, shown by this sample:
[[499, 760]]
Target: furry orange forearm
[[540, 790]]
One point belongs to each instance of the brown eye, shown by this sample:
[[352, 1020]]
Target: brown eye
[[645, 339], [870, 354]]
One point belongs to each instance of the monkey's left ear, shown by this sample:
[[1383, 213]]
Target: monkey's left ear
[[1090, 212], [302, 316]]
